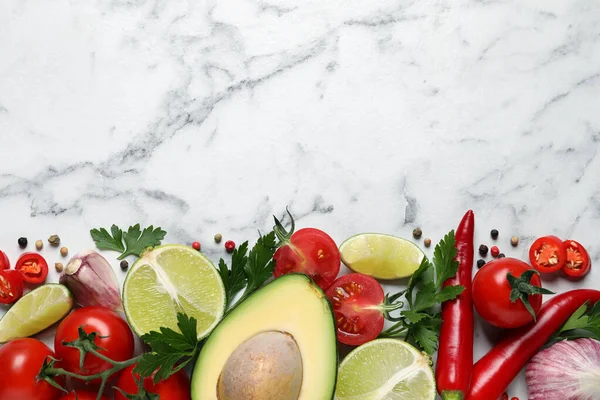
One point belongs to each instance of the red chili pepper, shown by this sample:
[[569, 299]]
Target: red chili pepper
[[455, 354], [495, 371], [11, 286], [32, 267]]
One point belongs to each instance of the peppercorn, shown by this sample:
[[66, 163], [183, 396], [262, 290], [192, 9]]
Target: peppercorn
[[417, 232], [196, 246], [218, 238], [504, 396], [501, 255], [483, 250], [64, 251], [480, 263], [39, 244], [514, 241], [495, 251], [427, 242], [124, 265], [59, 267], [229, 246], [494, 234], [54, 240], [22, 242], [515, 398]]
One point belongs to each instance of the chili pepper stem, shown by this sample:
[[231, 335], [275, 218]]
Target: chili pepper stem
[[452, 395]]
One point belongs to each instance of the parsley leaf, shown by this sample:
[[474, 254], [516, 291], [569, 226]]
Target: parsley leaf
[[235, 279], [136, 241], [584, 323], [248, 271], [420, 324], [169, 348]]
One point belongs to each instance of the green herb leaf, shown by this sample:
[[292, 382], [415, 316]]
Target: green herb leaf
[[421, 276], [104, 241], [425, 334], [449, 293], [443, 258], [260, 263], [234, 279], [135, 240], [584, 323], [169, 348]]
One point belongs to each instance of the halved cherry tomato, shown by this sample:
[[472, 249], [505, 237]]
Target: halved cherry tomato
[[547, 254], [32, 267], [11, 286], [309, 251], [4, 262], [357, 301], [578, 262]]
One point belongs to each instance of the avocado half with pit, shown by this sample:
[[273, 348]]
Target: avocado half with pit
[[279, 344]]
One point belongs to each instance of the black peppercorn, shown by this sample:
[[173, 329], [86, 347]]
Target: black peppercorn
[[417, 232], [124, 265], [22, 242], [483, 250], [494, 234], [480, 263], [501, 255]]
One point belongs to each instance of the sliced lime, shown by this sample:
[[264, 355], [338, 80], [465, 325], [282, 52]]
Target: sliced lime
[[381, 256], [385, 369], [36, 311], [171, 279]]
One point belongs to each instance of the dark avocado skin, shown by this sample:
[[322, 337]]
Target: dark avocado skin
[[321, 293]]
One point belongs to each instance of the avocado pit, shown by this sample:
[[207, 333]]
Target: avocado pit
[[268, 366]]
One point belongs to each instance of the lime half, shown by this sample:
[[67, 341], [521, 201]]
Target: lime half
[[385, 369], [381, 256], [36, 311], [171, 279]]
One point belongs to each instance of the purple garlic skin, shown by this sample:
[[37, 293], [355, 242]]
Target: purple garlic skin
[[92, 281], [569, 370]]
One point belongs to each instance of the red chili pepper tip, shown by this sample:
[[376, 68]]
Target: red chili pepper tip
[[229, 246], [495, 251], [196, 246]]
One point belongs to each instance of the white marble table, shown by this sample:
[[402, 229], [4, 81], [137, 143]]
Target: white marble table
[[210, 116]]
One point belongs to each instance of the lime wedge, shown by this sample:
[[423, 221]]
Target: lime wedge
[[36, 311], [171, 279], [381, 256], [385, 369]]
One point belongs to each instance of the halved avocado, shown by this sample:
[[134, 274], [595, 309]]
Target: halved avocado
[[279, 344]]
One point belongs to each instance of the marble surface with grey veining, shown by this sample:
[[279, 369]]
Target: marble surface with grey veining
[[212, 116]]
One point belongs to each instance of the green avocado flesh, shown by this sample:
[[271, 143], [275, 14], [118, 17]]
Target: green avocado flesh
[[279, 344]]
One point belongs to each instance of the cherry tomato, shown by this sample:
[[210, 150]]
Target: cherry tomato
[[547, 254], [114, 339], [578, 262], [175, 387], [356, 300], [82, 395], [21, 361], [11, 286], [491, 294], [32, 267], [309, 251], [4, 261]]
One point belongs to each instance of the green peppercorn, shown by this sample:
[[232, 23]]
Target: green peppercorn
[[124, 265], [483, 250], [218, 238], [22, 242], [494, 234], [417, 232], [480, 263], [54, 240]]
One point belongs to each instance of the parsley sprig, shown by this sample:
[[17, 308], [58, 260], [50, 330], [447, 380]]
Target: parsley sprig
[[420, 323], [248, 271], [584, 323], [132, 242]]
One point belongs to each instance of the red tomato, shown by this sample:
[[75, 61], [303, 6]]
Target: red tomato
[[578, 262], [114, 338], [4, 262], [32, 267], [491, 294], [311, 252], [175, 387], [21, 361], [547, 254], [356, 300], [82, 395], [11, 286]]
